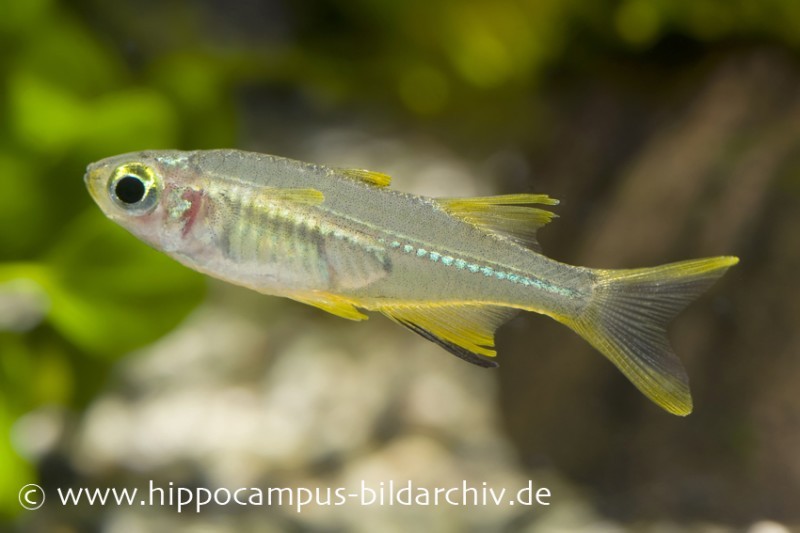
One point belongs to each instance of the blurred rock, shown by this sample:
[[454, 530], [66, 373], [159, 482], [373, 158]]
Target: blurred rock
[[23, 305], [289, 397]]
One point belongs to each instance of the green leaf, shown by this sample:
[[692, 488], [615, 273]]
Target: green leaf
[[111, 294], [21, 197], [128, 120], [16, 471], [46, 117]]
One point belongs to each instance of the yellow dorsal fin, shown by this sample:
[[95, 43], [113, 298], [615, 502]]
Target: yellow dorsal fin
[[336, 305], [377, 179], [465, 330], [300, 196], [509, 215]]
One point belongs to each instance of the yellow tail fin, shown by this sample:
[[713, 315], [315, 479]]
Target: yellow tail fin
[[628, 317]]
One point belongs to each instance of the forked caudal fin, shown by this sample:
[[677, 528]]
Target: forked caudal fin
[[627, 319]]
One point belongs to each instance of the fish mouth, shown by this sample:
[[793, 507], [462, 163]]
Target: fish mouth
[[94, 179]]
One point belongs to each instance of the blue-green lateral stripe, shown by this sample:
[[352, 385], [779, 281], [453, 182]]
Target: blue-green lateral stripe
[[487, 271]]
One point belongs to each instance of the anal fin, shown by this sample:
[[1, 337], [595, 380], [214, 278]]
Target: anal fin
[[336, 305], [465, 330]]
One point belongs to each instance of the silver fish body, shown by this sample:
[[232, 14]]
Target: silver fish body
[[451, 270]]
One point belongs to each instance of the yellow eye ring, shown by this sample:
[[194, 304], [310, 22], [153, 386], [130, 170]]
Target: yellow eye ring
[[134, 187]]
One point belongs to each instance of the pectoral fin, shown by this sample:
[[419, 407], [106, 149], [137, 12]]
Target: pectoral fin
[[508, 215], [299, 196], [465, 330]]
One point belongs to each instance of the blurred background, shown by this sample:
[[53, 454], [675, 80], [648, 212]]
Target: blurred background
[[669, 129]]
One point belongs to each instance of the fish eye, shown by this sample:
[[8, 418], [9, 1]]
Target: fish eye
[[130, 189], [134, 187]]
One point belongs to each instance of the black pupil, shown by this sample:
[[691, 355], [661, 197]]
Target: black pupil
[[130, 190]]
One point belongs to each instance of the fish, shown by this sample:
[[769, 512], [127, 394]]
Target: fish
[[452, 270]]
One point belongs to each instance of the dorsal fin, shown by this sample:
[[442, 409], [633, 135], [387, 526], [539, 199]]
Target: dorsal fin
[[377, 179], [508, 215], [465, 330], [300, 196]]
